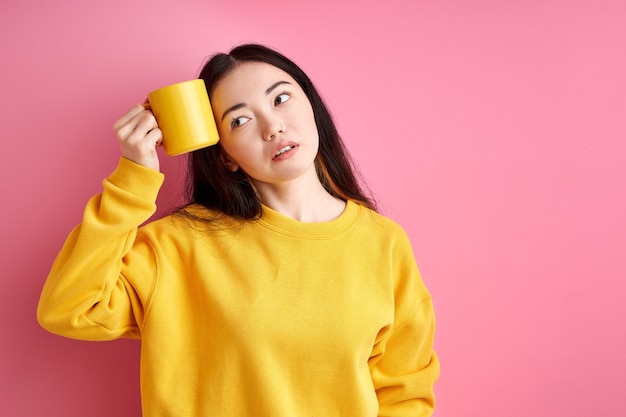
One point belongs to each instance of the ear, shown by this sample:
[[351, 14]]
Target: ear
[[229, 162]]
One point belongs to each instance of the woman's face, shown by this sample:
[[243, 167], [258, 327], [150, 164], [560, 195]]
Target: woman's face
[[266, 124]]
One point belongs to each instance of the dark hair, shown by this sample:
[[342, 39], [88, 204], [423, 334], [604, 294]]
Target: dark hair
[[212, 185]]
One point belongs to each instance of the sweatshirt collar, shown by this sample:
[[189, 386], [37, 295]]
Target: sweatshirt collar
[[280, 223]]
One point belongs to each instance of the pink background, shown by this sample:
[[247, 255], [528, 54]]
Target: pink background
[[494, 131]]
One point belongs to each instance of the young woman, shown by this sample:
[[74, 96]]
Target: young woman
[[277, 291]]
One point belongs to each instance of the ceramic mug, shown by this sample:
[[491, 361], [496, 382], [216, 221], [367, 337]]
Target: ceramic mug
[[183, 112]]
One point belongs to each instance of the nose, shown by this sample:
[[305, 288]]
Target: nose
[[273, 126]]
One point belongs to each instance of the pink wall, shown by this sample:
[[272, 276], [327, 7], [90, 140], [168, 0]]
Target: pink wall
[[492, 130]]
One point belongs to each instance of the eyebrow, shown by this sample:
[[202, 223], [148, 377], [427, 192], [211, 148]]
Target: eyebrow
[[275, 85], [242, 105]]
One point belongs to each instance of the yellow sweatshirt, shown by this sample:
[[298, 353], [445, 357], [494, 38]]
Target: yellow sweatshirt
[[268, 318]]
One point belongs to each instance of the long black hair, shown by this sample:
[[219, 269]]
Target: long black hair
[[212, 185]]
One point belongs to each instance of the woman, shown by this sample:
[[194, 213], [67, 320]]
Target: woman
[[277, 291]]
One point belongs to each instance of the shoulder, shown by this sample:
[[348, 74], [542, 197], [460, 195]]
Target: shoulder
[[383, 232], [382, 224], [392, 243], [191, 221]]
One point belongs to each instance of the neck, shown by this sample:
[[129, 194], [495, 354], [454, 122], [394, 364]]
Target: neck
[[303, 199]]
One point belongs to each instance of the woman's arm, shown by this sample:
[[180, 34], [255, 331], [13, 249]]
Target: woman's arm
[[87, 295], [404, 366]]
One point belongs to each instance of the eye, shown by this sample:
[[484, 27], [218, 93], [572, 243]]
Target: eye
[[281, 98], [239, 121]]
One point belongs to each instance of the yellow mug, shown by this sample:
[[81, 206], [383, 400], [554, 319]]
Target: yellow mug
[[183, 112]]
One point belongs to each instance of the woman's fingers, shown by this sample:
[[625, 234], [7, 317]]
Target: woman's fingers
[[139, 135], [128, 117]]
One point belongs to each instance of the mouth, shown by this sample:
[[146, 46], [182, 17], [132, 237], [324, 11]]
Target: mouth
[[283, 150]]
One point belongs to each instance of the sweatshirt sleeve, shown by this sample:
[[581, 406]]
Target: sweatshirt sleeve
[[89, 293], [404, 366]]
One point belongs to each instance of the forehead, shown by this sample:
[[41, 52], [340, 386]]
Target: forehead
[[249, 78]]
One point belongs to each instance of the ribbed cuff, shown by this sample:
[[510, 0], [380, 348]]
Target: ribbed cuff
[[137, 179]]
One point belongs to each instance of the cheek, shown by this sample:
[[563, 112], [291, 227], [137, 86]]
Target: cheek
[[239, 151], [302, 118], [230, 150], [311, 122], [312, 127]]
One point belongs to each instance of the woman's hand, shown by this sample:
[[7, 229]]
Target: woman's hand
[[139, 136]]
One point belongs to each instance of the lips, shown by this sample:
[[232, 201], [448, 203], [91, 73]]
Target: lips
[[284, 148]]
